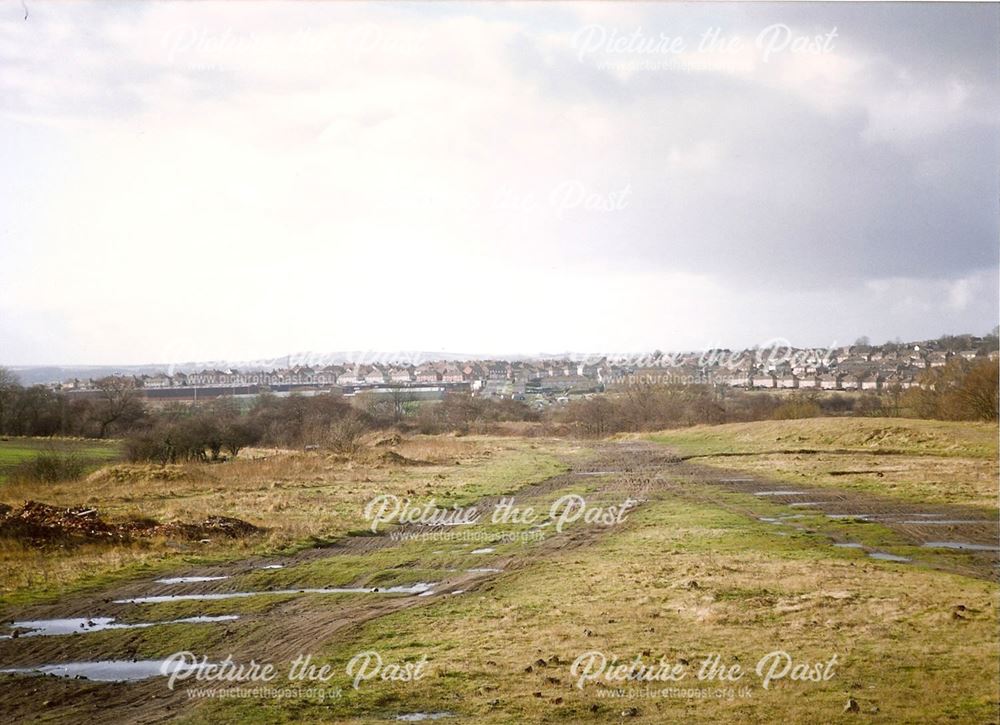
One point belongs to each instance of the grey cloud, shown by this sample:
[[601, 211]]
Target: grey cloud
[[801, 195]]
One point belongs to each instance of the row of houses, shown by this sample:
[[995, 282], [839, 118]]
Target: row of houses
[[351, 375], [828, 381], [850, 368]]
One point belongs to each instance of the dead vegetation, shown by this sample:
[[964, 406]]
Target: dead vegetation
[[137, 473], [301, 497]]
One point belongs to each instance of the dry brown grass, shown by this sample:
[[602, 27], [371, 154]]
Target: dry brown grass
[[948, 480], [297, 496], [916, 460]]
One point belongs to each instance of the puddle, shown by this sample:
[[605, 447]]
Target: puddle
[[420, 716], [960, 545], [458, 591], [418, 588], [769, 520], [272, 566], [849, 545], [190, 579], [107, 671], [861, 517], [484, 570], [83, 625], [946, 522], [448, 523], [781, 493], [482, 551], [883, 556]]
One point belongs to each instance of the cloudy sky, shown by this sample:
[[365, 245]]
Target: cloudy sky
[[193, 181]]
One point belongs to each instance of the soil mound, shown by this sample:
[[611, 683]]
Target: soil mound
[[394, 459], [39, 524]]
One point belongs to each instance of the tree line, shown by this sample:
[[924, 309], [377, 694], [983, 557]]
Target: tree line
[[960, 390]]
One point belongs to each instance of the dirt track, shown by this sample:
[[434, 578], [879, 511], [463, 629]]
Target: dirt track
[[642, 471]]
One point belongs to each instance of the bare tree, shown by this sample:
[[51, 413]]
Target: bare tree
[[894, 394], [9, 387], [400, 397], [119, 401]]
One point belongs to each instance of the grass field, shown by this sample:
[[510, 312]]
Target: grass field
[[680, 583], [696, 570], [302, 499], [14, 451], [918, 460]]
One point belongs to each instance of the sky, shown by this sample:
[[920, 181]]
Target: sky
[[200, 181]]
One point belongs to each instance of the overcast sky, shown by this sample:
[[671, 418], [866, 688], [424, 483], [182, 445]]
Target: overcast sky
[[193, 181]]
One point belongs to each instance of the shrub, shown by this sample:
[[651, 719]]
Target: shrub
[[960, 390], [345, 434], [797, 408], [49, 467]]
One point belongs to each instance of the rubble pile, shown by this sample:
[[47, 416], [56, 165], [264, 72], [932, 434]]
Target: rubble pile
[[38, 523]]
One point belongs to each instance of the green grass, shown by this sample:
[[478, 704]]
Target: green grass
[[112, 566], [14, 451]]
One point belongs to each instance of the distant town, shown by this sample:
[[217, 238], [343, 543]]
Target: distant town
[[857, 367]]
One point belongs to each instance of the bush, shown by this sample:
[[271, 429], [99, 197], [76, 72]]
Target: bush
[[345, 434], [463, 413], [869, 405], [147, 446], [49, 468], [797, 408], [960, 390]]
